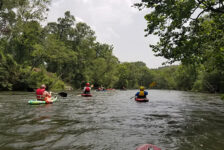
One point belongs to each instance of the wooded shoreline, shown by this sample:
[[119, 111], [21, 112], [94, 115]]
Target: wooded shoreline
[[67, 53]]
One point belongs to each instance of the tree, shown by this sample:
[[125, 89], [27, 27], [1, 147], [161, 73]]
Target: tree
[[14, 12], [185, 76], [122, 76], [65, 26], [59, 58], [190, 31], [21, 44], [176, 22]]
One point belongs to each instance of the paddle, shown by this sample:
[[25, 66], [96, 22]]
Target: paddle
[[132, 97], [62, 94]]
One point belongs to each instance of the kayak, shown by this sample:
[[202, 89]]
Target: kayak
[[37, 102], [101, 90], [147, 147], [86, 95], [110, 89], [141, 99]]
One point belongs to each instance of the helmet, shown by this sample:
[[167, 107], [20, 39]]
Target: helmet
[[43, 86], [87, 84], [142, 88]]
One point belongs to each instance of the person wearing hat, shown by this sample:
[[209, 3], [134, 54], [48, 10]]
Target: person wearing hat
[[87, 89], [42, 94], [141, 93]]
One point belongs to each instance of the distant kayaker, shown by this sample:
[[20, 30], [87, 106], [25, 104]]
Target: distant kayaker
[[42, 94], [141, 93], [87, 89]]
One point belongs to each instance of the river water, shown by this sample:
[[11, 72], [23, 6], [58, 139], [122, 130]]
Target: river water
[[172, 120]]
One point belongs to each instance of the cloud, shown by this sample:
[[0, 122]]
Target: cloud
[[78, 19], [85, 1], [115, 22]]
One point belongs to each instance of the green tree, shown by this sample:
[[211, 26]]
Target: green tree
[[14, 12], [176, 23], [185, 76], [122, 76]]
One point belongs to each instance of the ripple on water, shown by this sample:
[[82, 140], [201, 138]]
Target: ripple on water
[[111, 120]]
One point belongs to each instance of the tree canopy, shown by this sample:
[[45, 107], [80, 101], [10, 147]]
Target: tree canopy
[[184, 27], [66, 52], [190, 31]]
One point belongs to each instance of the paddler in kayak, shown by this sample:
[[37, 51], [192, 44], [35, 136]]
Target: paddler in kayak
[[141, 93], [87, 89], [43, 95]]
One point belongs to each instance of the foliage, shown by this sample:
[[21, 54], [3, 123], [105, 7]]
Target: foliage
[[191, 32], [132, 75], [185, 77], [36, 78], [6, 64], [164, 77], [67, 52], [222, 97], [178, 24]]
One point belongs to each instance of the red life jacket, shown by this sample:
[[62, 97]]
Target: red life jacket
[[87, 89], [39, 93]]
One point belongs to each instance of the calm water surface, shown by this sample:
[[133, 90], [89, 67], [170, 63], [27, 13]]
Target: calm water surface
[[172, 120]]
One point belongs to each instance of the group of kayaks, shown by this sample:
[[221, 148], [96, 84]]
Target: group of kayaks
[[136, 99], [37, 102]]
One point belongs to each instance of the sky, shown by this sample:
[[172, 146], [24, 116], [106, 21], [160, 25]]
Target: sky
[[115, 22]]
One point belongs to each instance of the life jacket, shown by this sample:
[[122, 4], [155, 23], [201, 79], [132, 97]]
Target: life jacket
[[141, 93], [39, 93], [87, 89], [48, 100]]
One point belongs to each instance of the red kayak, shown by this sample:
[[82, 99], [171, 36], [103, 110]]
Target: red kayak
[[141, 99], [110, 89], [147, 147], [86, 95]]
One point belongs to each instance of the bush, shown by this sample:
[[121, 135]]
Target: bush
[[43, 77]]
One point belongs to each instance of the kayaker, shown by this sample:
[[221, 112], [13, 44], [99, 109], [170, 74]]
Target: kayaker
[[141, 93], [42, 94], [87, 89], [99, 89]]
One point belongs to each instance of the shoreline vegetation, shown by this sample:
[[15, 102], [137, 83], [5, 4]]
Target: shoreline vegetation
[[65, 55]]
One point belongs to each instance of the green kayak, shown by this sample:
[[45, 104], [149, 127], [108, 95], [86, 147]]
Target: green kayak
[[37, 102]]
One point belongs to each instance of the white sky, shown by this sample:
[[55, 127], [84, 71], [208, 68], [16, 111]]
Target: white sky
[[115, 22]]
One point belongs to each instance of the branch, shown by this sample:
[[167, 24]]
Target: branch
[[35, 62], [195, 9], [209, 7], [218, 10], [196, 19]]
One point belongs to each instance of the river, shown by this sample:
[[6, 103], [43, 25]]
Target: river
[[172, 120]]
